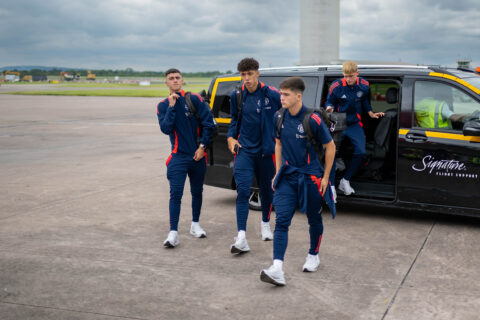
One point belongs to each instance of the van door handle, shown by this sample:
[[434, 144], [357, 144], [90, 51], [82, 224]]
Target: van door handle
[[416, 137]]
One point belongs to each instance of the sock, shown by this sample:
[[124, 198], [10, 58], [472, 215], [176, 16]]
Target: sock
[[278, 264], [241, 234]]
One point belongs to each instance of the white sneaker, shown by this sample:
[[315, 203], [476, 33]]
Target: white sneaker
[[197, 231], [334, 194], [312, 263], [241, 244], [172, 240], [266, 231], [346, 187], [273, 275]]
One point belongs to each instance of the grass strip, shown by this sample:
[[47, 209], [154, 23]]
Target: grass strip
[[97, 93]]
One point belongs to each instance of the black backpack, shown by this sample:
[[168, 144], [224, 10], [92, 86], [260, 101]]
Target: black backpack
[[193, 110], [335, 122], [306, 127]]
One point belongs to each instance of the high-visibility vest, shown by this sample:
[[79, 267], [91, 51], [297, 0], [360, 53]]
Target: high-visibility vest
[[428, 113]]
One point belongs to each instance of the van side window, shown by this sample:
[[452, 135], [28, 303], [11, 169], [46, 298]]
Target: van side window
[[442, 106], [221, 100], [384, 96], [310, 93]]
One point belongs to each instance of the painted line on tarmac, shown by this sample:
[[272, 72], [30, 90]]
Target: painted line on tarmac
[[408, 272]]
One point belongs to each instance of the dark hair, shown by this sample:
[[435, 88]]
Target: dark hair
[[247, 64], [172, 70], [293, 83]]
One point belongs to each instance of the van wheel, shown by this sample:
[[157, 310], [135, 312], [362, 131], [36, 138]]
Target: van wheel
[[254, 201]]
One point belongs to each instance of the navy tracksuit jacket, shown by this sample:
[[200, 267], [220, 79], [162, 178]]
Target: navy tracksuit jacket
[[298, 181], [354, 101], [253, 129], [184, 129]]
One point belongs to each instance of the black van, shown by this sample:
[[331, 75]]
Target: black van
[[409, 163]]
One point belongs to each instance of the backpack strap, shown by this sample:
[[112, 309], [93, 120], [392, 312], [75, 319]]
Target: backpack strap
[[280, 118], [238, 98], [193, 110], [308, 130], [190, 105], [306, 125]]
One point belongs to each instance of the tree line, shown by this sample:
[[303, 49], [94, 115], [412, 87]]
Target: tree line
[[128, 72]]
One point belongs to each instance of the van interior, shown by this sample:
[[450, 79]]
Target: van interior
[[376, 176]]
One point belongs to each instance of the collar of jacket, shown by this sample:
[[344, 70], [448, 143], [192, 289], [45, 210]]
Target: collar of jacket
[[260, 85]]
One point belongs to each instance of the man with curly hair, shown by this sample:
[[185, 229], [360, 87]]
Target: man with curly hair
[[250, 138]]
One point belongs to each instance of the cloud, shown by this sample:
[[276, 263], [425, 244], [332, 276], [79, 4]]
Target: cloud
[[423, 32], [215, 34]]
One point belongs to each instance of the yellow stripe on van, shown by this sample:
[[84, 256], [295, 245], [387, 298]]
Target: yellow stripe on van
[[462, 82], [451, 136], [443, 135], [223, 120], [214, 92]]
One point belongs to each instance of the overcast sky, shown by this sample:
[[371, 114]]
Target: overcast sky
[[206, 35]]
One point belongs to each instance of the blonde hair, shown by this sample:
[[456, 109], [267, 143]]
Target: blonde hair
[[349, 67]]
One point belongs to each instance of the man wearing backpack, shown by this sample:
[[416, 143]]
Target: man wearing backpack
[[300, 178], [189, 123], [250, 139], [350, 95]]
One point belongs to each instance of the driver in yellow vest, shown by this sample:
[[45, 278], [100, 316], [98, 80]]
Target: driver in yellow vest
[[431, 113]]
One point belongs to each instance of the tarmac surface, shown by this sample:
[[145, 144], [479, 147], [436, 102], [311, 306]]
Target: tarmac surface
[[84, 212]]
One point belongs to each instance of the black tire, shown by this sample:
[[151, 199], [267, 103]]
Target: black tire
[[254, 201]]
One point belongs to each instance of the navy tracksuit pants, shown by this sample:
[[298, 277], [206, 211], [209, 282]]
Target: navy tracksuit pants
[[356, 135], [245, 167], [285, 200], [178, 167]]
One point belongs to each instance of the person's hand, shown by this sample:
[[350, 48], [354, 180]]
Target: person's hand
[[377, 115], [329, 109], [323, 186], [232, 143], [273, 181], [199, 154], [172, 99]]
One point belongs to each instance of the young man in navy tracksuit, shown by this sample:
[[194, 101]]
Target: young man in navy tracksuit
[[250, 139], [189, 136], [350, 94], [300, 178]]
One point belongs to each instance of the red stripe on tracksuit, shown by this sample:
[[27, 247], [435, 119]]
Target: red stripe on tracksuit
[[175, 148], [318, 182], [333, 86], [316, 118], [319, 241], [360, 118]]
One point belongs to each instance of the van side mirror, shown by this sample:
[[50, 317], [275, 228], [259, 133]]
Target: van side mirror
[[472, 128]]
